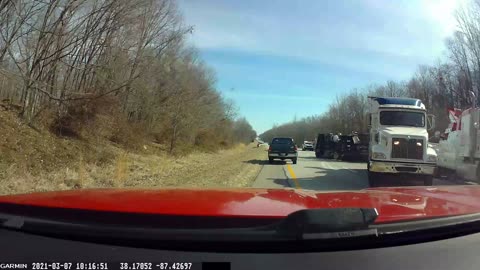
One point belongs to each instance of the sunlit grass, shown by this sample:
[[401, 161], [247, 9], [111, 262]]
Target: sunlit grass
[[225, 168]]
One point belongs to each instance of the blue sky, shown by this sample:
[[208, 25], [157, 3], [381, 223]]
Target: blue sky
[[280, 59]]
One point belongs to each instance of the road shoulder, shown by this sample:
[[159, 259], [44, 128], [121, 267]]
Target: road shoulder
[[273, 176]]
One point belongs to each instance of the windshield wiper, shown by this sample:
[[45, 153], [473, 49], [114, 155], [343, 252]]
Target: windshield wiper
[[300, 225], [301, 231], [329, 223]]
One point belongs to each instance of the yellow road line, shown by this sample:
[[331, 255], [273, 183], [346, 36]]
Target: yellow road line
[[294, 177]]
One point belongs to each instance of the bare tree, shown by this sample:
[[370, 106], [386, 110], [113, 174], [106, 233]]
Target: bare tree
[[65, 56]]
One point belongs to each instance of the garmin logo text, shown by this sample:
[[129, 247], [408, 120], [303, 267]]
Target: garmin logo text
[[13, 266]]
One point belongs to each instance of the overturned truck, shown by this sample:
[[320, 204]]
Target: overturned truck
[[353, 147]]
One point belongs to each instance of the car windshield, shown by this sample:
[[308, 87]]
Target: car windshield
[[232, 108], [396, 118], [282, 141]]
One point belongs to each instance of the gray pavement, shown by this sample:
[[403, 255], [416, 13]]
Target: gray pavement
[[325, 174]]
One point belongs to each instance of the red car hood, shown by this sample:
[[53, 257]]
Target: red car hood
[[393, 204]]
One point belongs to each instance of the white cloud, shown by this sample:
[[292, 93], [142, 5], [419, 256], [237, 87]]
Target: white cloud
[[441, 12], [410, 32]]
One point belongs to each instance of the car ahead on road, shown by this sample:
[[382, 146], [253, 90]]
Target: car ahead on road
[[282, 148], [307, 146]]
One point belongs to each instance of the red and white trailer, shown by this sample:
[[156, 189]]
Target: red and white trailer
[[459, 149]]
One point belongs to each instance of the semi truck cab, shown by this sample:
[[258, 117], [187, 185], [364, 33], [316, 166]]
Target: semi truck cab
[[399, 139]]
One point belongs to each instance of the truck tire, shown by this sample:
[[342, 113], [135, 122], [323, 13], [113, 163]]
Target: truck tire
[[336, 156], [428, 180], [294, 161], [270, 160]]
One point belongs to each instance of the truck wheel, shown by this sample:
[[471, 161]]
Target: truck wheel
[[270, 160], [428, 180], [336, 156], [294, 161]]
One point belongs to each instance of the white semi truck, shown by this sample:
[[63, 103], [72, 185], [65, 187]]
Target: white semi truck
[[459, 152], [399, 139]]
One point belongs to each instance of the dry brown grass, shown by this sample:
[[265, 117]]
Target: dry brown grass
[[227, 168], [36, 160]]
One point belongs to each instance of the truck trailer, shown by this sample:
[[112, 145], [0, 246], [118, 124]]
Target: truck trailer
[[459, 149]]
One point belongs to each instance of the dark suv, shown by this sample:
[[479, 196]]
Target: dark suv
[[282, 148]]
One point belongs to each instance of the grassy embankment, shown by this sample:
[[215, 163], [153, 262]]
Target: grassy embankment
[[34, 159]]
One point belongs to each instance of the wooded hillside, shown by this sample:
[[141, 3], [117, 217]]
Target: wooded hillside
[[68, 64]]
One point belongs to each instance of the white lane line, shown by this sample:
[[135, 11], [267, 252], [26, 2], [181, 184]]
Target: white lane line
[[258, 181], [326, 165], [355, 172], [341, 167]]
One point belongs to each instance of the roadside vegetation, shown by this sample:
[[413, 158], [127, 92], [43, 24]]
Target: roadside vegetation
[[87, 84], [38, 160], [445, 85]]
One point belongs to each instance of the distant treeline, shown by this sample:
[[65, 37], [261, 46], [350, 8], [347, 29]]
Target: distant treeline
[[447, 84], [70, 62]]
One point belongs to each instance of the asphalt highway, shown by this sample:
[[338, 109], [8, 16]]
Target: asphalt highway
[[326, 174]]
